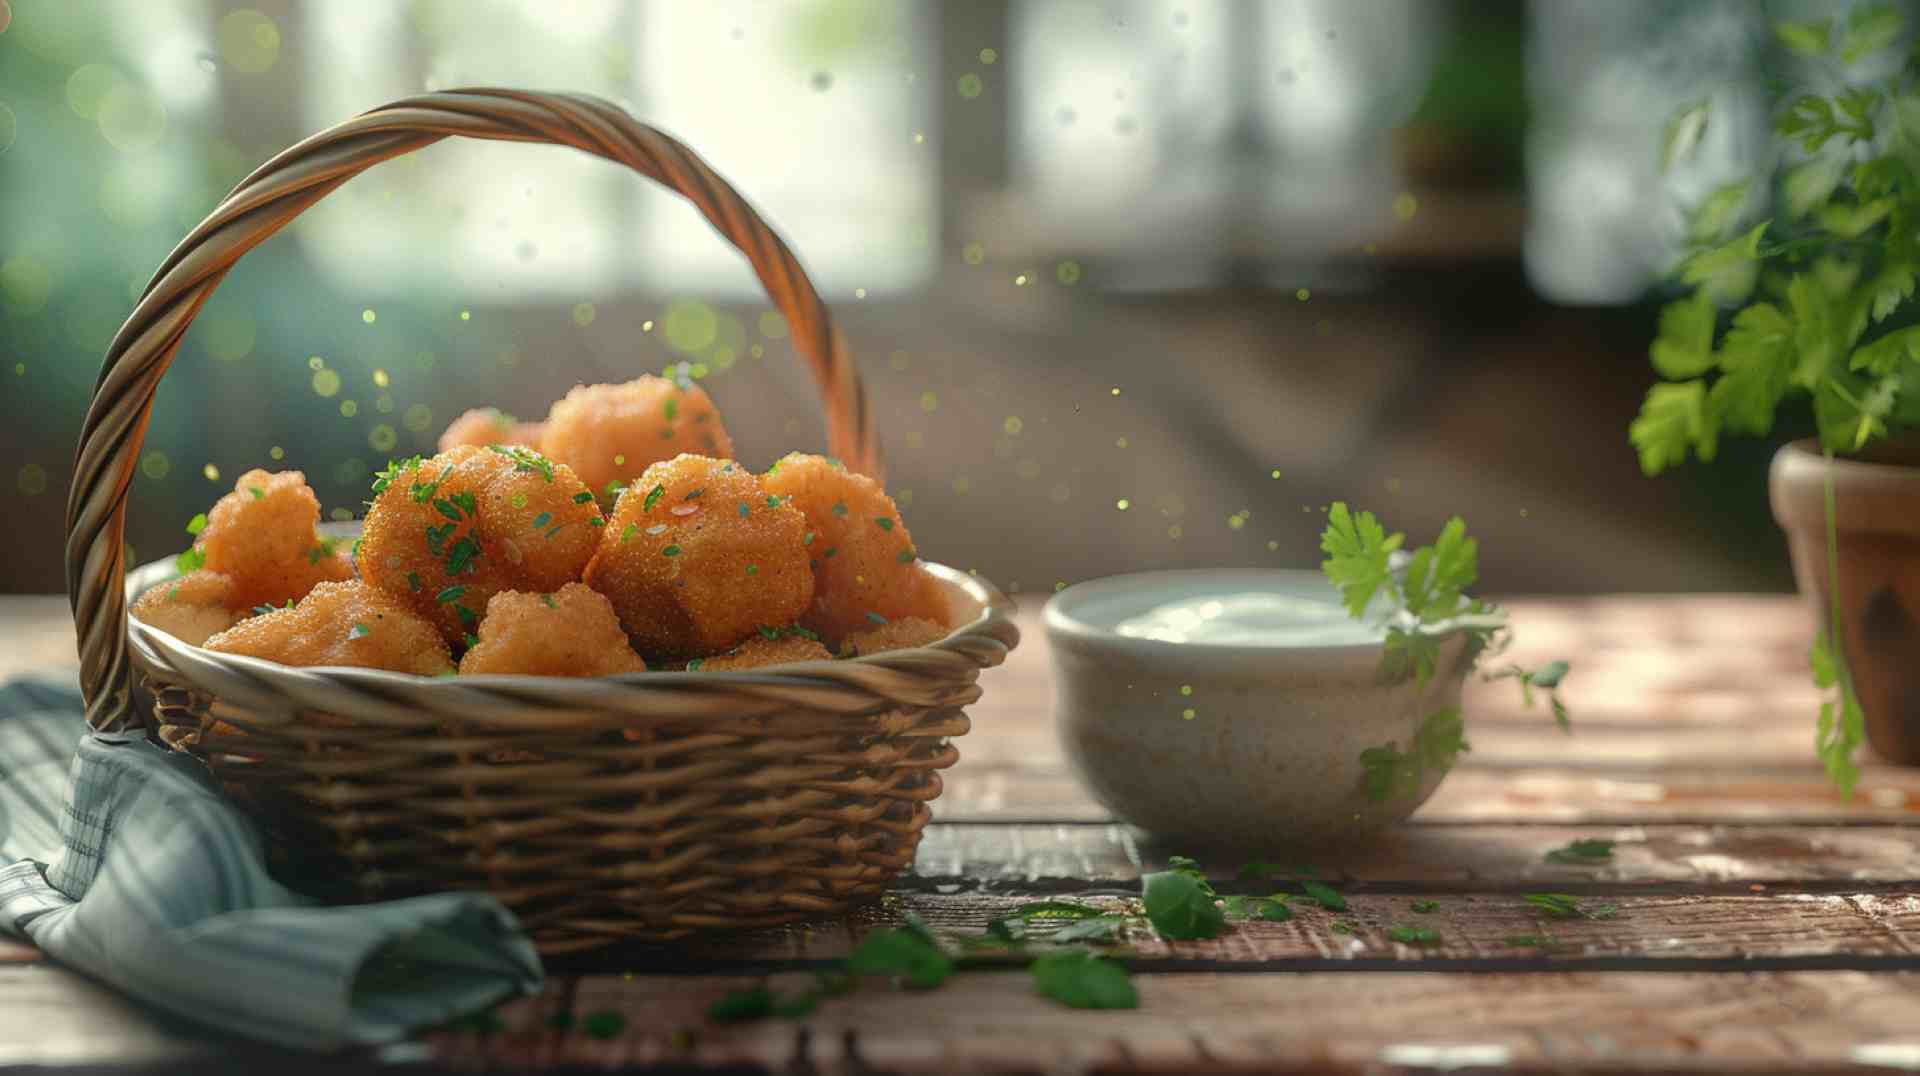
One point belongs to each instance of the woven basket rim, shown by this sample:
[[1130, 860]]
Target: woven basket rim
[[994, 619]]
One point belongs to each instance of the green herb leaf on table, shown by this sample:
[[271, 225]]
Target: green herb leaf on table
[[1585, 851], [1055, 909], [1425, 906], [1081, 980], [1181, 907], [1407, 935], [903, 954], [1100, 929]]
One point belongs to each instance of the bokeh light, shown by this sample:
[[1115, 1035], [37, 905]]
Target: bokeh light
[[131, 118], [32, 479], [156, 465], [418, 418], [249, 41], [970, 85], [9, 127], [230, 334], [326, 382], [690, 326]]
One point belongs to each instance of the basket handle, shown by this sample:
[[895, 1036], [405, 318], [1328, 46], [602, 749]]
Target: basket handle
[[279, 191]]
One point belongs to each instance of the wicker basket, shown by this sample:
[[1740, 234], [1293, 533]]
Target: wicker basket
[[733, 799]]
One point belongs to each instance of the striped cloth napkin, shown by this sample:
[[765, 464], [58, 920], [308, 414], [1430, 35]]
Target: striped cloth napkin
[[120, 860]]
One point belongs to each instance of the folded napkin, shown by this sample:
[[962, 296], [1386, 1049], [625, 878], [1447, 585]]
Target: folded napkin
[[121, 860]]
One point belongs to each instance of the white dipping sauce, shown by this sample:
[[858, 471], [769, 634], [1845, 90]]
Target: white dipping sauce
[[1254, 618]]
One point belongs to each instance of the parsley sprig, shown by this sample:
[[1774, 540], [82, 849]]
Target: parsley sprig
[[1796, 283]]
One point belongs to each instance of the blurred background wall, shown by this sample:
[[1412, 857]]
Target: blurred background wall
[[1135, 283]]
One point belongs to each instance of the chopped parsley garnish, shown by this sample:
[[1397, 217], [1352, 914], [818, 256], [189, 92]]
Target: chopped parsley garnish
[[446, 508], [437, 538], [753, 569], [322, 549], [839, 508], [694, 665], [191, 561], [469, 640], [829, 552], [694, 494], [906, 556], [670, 551], [451, 594], [466, 502], [525, 459], [1324, 895], [1566, 906], [1181, 906], [258, 493], [422, 493], [197, 524], [1414, 935], [467, 616], [672, 408], [413, 581], [772, 501], [549, 602], [583, 497], [876, 617], [653, 497], [769, 633], [596, 521], [1583, 852], [883, 523], [807, 539], [358, 631], [1425, 906], [542, 520], [905, 954], [627, 535], [393, 470], [743, 511], [461, 557]]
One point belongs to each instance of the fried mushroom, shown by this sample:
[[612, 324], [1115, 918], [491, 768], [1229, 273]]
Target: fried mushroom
[[610, 434], [348, 623], [571, 632]]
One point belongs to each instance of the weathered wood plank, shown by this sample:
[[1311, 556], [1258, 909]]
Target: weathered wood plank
[[52, 1017], [1559, 795], [1476, 856], [1574, 1022], [1486, 931]]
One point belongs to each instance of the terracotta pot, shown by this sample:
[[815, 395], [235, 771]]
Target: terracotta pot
[[1877, 514]]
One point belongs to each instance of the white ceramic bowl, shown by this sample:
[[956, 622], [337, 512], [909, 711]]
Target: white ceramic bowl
[[1250, 747]]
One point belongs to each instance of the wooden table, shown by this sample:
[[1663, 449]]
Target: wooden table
[[1764, 924]]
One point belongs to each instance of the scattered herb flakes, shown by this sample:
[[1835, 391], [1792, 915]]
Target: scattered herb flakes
[[670, 551], [1425, 907], [547, 599], [1600, 911], [694, 665], [191, 561], [1558, 905], [905, 954], [883, 523], [413, 582], [1527, 941], [582, 497], [197, 524], [696, 493], [627, 535], [653, 498], [876, 617], [258, 493], [1406, 935], [672, 408], [1584, 852], [1180, 906], [1099, 929], [358, 631], [525, 459], [469, 640], [461, 557], [519, 500], [393, 470], [541, 520], [753, 569], [445, 507], [1081, 980], [743, 511], [906, 556], [596, 521], [839, 508], [1055, 909], [829, 553], [466, 615], [1273, 909], [1342, 926], [437, 538], [451, 594], [466, 502], [1324, 895], [606, 1024]]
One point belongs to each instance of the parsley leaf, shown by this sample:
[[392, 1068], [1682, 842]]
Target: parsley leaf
[[1357, 549], [1081, 980], [1181, 907], [1324, 895], [903, 953], [1583, 852]]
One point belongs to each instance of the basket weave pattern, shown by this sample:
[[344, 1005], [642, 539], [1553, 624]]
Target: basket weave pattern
[[641, 806]]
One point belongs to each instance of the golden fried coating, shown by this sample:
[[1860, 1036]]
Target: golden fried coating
[[341, 624], [485, 426], [863, 558], [613, 433], [262, 536], [894, 635], [190, 608], [571, 632], [760, 650], [447, 533], [698, 555]]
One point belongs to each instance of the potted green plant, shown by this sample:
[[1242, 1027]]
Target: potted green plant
[[1814, 302]]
